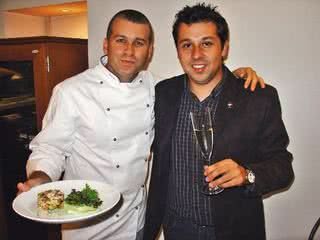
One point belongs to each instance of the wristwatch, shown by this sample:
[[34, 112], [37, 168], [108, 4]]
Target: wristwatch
[[250, 177]]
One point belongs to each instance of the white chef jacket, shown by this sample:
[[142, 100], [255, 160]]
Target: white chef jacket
[[97, 128]]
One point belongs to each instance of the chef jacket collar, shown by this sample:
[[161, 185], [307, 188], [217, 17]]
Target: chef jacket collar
[[102, 66]]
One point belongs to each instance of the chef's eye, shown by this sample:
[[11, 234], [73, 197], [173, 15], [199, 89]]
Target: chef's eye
[[186, 45], [121, 40], [139, 43]]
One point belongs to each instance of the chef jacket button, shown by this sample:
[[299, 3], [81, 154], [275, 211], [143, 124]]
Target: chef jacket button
[[148, 105], [137, 207], [114, 139], [146, 133], [117, 166], [108, 109], [117, 215], [140, 81], [101, 82]]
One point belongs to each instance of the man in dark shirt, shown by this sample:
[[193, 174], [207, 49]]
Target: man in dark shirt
[[249, 158]]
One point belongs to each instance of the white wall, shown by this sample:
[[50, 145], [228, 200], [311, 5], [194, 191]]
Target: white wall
[[74, 26], [20, 25], [280, 39], [1, 25], [15, 4]]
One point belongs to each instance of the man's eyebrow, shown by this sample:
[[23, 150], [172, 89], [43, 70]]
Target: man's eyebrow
[[119, 35], [202, 39], [137, 38], [208, 38], [184, 40], [141, 39]]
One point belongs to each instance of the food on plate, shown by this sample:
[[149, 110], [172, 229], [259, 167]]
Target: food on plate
[[50, 199], [87, 196]]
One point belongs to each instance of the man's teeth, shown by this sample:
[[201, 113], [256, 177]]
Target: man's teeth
[[198, 66]]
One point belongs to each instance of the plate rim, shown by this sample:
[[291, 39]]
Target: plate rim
[[69, 220]]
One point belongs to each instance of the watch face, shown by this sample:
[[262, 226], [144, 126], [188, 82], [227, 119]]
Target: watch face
[[251, 177]]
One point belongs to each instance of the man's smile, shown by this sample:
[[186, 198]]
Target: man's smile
[[199, 68]]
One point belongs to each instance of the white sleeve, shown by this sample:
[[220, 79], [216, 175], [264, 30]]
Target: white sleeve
[[51, 146]]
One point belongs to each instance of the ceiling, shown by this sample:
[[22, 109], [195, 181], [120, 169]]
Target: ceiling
[[54, 10]]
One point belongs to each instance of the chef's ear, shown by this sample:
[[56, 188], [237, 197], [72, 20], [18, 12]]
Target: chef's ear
[[105, 46], [150, 52]]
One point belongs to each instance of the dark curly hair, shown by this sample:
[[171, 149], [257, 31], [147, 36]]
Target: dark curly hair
[[201, 13]]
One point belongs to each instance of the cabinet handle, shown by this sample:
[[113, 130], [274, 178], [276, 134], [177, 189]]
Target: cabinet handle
[[48, 64]]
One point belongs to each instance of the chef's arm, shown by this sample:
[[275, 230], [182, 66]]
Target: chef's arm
[[35, 179], [250, 76]]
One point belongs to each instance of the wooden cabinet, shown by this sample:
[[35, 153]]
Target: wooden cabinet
[[43, 62], [54, 59]]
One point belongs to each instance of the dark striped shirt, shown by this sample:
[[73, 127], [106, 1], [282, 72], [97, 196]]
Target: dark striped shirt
[[186, 175]]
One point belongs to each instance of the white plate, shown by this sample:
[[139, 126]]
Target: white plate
[[25, 204]]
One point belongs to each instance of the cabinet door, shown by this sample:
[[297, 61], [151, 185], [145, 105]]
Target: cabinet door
[[37, 54], [66, 60]]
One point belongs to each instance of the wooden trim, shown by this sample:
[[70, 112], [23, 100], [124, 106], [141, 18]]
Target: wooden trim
[[42, 39]]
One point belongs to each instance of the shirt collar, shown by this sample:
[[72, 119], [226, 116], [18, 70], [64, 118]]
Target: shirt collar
[[215, 92], [102, 66]]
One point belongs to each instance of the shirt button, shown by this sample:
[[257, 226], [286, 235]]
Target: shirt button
[[142, 185], [101, 82], [108, 109], [114, 139], [117, 215], [147, 133], [117, 166], [137, 207], [148, 105], [140, 81]]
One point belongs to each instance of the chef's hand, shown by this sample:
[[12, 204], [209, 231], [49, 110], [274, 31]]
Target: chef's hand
[[250, 76], [225, 173], [35, 179]]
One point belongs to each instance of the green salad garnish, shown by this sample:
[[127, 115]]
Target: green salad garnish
[[87, 196]]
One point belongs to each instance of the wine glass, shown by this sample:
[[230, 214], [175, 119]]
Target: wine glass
[[203, 132]]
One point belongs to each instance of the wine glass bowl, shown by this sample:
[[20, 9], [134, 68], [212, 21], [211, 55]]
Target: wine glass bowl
[[203, 131]]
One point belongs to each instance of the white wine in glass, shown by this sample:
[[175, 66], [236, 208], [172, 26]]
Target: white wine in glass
[[203, 132]]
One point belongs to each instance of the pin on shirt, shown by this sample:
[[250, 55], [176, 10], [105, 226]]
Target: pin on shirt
[[230, 105]]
